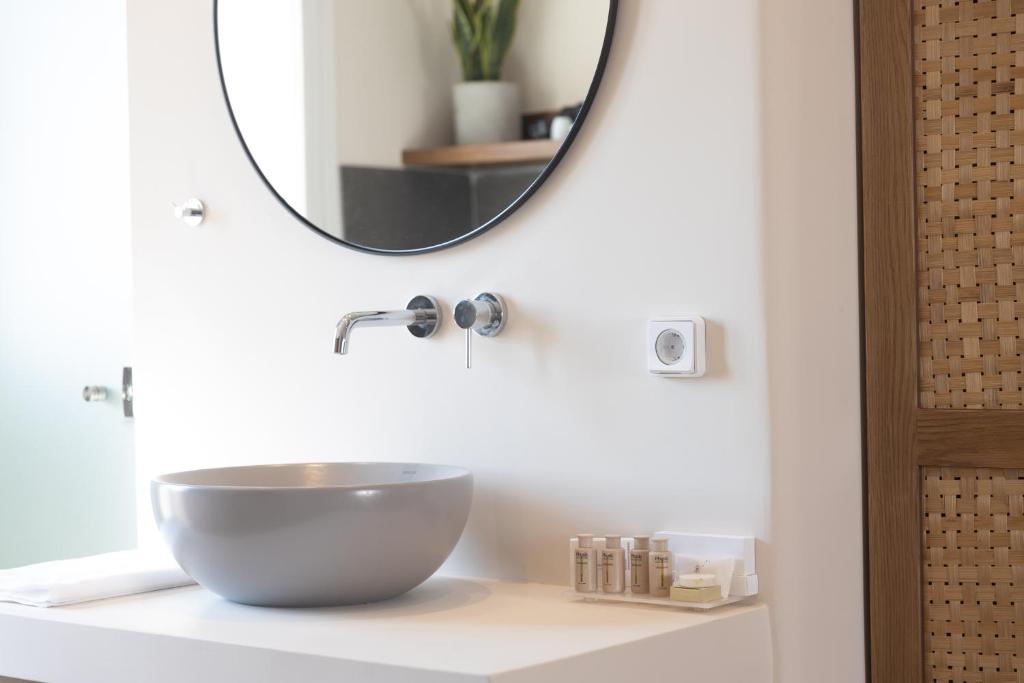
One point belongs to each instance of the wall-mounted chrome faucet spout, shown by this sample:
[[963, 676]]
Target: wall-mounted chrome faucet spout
[[421, 316]]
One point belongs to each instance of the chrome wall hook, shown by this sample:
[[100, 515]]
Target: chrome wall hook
[[193, 211]]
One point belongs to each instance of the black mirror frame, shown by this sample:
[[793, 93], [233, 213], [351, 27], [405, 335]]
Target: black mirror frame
[[613, 7]]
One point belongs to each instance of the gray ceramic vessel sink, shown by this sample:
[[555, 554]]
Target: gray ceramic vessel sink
[[312, 534]]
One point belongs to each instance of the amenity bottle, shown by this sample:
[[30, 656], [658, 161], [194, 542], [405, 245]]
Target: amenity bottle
[[661, 566], [613, 565], [639, 566], [585, 564]]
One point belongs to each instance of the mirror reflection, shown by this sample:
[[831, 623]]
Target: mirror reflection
[[407, 125]]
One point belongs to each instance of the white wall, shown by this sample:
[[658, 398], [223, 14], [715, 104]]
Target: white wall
[[809, 176], [66, 477], [696, 185]]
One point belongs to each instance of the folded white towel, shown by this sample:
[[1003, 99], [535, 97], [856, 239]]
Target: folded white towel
[[66, 582]]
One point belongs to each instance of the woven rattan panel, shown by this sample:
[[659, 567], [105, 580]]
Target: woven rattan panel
[[969, 111], [974, 574]]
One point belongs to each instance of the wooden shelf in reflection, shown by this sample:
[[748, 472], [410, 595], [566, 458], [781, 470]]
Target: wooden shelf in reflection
[[518, 152]]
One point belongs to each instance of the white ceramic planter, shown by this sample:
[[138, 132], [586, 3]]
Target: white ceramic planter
[[486, 112]]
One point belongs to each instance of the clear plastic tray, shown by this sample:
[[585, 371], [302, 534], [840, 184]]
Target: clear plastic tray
[[648, 600]]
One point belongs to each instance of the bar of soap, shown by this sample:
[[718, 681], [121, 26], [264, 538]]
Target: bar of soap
[[703, 594], [696, 580]]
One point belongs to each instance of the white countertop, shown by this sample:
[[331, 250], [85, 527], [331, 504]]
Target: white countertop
[[448, 629]]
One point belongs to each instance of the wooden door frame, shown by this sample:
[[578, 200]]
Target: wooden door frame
[[900, 437], [889, 300]]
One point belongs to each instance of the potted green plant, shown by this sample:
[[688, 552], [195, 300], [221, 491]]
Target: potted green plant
[[487, 109]]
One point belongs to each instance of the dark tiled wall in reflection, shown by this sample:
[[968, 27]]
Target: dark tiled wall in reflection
[[496, 187], [417, 207]]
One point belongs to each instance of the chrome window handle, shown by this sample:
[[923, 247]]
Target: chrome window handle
[[93, 394]]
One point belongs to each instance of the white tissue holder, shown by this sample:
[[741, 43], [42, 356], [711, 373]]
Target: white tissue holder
[[696, 548]]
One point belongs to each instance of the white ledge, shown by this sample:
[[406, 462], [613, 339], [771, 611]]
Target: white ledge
[[448, 629]]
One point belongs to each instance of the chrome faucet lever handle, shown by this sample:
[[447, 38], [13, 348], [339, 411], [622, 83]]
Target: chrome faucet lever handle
[[486, 314]]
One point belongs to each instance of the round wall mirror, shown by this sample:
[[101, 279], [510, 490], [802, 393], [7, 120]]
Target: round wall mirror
[[405, 126]]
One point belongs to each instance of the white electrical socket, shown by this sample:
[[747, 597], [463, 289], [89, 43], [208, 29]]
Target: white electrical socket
[[675, 346]]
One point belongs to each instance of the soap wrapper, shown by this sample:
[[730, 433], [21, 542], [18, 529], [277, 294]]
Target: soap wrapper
[[723, 569], [705, 594]]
